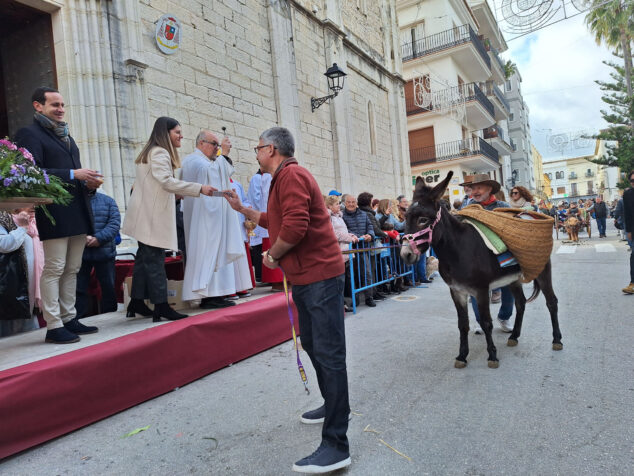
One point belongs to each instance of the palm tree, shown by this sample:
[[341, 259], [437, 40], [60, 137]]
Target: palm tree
[[612, 23], [510, 69]]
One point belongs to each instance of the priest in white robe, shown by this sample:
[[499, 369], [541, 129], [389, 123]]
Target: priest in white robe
[[212, 228]]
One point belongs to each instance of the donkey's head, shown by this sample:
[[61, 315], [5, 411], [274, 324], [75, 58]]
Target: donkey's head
[[421, 218]]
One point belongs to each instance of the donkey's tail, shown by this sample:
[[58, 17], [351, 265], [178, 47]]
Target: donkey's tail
[[536, 290]]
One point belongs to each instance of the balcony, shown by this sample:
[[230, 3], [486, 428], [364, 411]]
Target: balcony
[[502, 106], [474, 153], [461, 43], [497, 65], [589, 174], [494, 135], [479, 110], [572, 176]]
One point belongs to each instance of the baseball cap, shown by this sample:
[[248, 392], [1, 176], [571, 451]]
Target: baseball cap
[[334, 192]]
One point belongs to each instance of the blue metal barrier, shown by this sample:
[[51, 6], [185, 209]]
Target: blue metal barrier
[[371, 265]]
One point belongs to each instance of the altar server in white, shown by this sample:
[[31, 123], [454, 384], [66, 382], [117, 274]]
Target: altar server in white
[[212, 228]]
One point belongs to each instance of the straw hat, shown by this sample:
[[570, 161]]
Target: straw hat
[[484, 179]]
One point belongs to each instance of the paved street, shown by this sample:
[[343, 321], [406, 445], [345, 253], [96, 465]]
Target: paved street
[[540, 413]]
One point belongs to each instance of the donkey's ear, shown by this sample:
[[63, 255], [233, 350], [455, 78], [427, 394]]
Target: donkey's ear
[[419, 180], [439, 190]]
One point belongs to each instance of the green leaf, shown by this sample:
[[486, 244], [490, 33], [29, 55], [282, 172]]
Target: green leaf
[[134, 432]]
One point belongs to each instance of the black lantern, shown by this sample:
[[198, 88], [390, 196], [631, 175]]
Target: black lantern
[[336, 78]]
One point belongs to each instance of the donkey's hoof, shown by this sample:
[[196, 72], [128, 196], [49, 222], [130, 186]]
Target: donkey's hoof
[[494, 364], [511, 342], [558, 346], [459, 364]]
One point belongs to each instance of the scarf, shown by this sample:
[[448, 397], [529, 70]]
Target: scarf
[[489, 201], [38, 258], [59, 128], [517, 203]]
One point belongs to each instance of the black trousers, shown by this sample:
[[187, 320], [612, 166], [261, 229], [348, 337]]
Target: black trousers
[[256, 260], [323, 337], [105, 271], [149, 280]]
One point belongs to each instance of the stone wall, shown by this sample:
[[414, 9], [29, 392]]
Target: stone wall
[[244, 64]]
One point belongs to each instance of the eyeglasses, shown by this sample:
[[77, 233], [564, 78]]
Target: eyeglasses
[[212, 142], [255, 149], [515, 193]]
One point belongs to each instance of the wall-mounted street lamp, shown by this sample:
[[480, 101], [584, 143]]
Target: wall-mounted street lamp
[[336, 77]]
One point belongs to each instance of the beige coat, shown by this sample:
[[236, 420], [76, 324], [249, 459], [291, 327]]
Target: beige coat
[[150, 217]]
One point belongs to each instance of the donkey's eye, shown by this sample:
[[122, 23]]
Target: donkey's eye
[[422, 221]]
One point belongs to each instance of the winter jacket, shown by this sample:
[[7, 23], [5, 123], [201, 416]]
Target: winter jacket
[[358, 222], [628, 209], [378, 233], [107, 222], [600, 210], [383, 219], [341, 232]]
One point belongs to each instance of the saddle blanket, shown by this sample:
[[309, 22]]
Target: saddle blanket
[[494, 243]]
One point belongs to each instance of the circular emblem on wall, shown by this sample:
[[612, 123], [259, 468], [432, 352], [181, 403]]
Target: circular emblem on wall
[[168, 34]]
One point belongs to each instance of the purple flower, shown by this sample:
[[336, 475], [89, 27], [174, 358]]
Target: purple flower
[[7, 182], [46, 179]]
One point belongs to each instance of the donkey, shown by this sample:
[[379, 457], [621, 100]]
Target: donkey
[[469, 268]]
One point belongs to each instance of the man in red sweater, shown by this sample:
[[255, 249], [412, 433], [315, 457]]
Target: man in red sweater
[[305, 246]]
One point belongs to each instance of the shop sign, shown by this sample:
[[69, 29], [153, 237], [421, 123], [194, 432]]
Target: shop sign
[[168, 34]]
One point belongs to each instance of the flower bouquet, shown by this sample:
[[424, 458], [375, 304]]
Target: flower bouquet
[[22, 183]]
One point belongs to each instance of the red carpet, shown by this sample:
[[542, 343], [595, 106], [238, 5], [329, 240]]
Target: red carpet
[[45, 399]]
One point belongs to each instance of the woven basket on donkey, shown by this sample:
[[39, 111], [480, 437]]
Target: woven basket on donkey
[[530, 241]]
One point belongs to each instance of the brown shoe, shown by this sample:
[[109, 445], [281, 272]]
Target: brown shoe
[[629, 289], [278, 287]]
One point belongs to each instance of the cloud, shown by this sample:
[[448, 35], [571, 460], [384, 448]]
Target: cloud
[[559, 65]]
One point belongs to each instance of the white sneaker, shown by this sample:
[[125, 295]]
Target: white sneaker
[[478, 330], [505, 325]]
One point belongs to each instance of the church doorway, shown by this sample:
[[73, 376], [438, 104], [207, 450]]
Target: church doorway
[[27, 61]]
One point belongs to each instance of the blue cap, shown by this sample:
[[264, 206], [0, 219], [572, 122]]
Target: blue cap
[[334, 192]]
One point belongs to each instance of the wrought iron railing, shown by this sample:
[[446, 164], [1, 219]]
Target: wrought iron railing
[[496, 55], [493, 132], [589, 174], [451, 97], [492, 90], [453, 150], [443, 40], [572, 175]]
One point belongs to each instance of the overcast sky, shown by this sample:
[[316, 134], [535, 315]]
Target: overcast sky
[[558, 65]]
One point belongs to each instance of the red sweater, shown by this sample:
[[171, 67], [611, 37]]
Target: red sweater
[[297, 214]]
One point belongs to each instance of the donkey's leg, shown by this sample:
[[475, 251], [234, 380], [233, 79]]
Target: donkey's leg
[[520, 305], [487, 326], [460, 301], [546, 285]]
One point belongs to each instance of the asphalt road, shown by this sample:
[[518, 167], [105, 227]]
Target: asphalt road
[[541, 412]]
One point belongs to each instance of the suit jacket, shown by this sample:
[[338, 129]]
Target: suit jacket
[[51, 154], [628, 210], [150, 217]]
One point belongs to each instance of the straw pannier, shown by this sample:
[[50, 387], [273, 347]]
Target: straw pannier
[[530, 241]]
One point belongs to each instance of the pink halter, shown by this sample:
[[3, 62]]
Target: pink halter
[[426, 235]]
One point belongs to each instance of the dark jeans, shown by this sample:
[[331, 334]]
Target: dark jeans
[[105, 275], [601, 225], [631, 260], [256, 260], [148, 278], [323, 337]]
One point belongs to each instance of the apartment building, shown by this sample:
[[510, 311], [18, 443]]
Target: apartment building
[[538, 173], [456, 110], [577, 177], [522, 168]]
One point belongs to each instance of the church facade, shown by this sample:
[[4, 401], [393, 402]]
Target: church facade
[[246, 65]]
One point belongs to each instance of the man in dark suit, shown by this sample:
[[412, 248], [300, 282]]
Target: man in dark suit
[[628, 216], [55, 151]]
